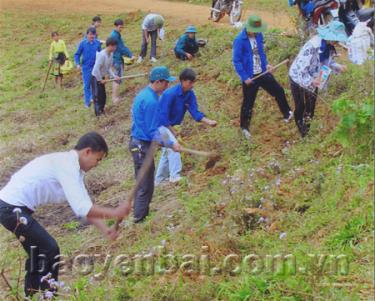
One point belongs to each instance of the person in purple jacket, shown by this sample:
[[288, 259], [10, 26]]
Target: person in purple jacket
[[174, 103]]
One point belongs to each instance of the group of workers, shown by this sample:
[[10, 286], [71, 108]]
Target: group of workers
[[156, 110], [90, 47]]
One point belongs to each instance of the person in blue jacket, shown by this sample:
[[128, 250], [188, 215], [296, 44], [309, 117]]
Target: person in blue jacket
[[174, 103], [118, 62], [87, 50], [250, 60], [187, 46], [145, 129]]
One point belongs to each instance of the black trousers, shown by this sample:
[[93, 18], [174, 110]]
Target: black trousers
[[154, 36], [271, 86], [304, 101], [42, 249], [98, 95], [143, 196]]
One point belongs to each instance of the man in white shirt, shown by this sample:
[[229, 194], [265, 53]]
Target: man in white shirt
[[54, 178], [151, 26], [101, 71]]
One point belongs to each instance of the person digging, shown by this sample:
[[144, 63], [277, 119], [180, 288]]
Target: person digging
[[187, 46], [249, 61], [54, 178], [174, 103], [304, 74], [145, 129], [101, 71]]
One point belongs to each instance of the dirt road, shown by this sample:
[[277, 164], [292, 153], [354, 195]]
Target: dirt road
[[176, 12]]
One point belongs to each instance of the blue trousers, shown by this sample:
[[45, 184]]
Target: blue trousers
[[169, 167], [86, 78]]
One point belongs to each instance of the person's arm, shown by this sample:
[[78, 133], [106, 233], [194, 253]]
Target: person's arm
[[110, 232], [110, 70], [165, 104], [126, 51], [151, 113], [77, 55], [101, 212], [237, 60], [180, 46], [96, 70], [195, 46], [208, 121], [51, 52], [193, 108], [65, 50], [145, 34]]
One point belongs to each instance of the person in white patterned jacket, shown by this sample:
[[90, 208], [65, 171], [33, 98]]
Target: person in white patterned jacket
[[305, 72]]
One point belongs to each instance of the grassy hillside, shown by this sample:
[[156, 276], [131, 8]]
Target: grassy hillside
[[312, 196]]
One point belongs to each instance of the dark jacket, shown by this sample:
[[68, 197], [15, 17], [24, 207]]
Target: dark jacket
[[121, 49], [185, 44]]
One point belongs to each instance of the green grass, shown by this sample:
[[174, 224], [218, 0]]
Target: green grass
[[323, 203]]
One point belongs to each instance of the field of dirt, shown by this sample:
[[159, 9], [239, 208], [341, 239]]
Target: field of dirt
[[176, 12]]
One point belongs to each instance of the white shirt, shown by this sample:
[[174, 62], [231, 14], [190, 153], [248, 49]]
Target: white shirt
[[257, 67], [52, 178], [103, 65], [149, 22]]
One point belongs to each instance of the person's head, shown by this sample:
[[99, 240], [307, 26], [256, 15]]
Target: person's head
[[119, 25], [97, 21], [254, 25], [187, 79], [159, 21], [91, 149], [191, 31], [111, 45], [55, 36], [91, 33], [160, 79], [334, 32]]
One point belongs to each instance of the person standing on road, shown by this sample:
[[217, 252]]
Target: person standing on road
[[100, 73], [145, 129], [174, 103], [118, 61], [304, 74], [250, 60], [151, 28], [187, 46], [87, 49], [53, 178]]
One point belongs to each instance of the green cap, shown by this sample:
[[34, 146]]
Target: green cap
[[161, 73], [255, 24]]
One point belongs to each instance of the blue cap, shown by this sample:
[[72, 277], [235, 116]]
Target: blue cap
[[191, 29], [161, 73]]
